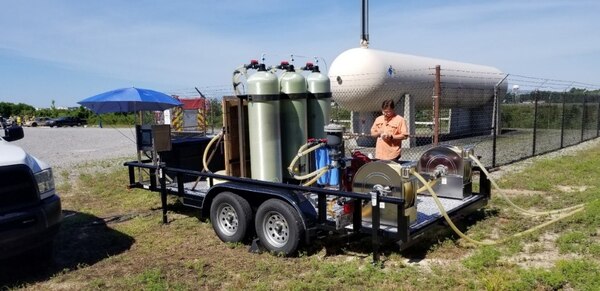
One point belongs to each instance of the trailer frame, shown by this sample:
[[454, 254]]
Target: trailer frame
[[314, 222]]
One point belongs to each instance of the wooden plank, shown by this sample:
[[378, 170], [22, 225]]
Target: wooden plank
[[232, 136]]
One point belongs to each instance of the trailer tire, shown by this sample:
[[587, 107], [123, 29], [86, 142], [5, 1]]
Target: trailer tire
[[231, 216], [278, 226]]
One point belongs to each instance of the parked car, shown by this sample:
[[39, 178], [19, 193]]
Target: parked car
[[30, 209], [38, 121], [66, 121]]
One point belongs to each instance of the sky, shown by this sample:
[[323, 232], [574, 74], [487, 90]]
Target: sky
[[68, 50]]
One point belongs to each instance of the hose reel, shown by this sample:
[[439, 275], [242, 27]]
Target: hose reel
[[452, 166], [395, 180]]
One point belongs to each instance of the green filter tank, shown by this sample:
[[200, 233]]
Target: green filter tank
[[293, 118], [318, 102], [264, 126]]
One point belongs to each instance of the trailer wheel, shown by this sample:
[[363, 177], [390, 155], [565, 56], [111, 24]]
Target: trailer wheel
[[230, 216], [278, 226]]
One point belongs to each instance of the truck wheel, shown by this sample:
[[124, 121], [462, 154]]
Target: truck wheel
[[230, 216], [278, 226]]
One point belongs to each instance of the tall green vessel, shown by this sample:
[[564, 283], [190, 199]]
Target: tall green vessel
[[318, 102], [294, 132], [264, 125]]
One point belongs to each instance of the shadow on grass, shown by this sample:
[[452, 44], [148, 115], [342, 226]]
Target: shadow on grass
[[361, 245], [83, 240]]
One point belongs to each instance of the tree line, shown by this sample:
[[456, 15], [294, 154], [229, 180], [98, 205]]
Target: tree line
[[27, 112]]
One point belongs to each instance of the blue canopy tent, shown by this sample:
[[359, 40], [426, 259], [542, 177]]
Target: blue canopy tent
[[130, 100]]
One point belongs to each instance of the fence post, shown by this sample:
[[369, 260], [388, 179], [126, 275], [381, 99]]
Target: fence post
[[535, 109], [598, 117], [436, 105], [495, 117], [562, 122], [582, 118]]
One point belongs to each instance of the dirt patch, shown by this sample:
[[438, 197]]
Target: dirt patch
[[541, 254], [520, 192], [571, 189]]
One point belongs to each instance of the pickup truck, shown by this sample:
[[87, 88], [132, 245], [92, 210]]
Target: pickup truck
[[30, 209]]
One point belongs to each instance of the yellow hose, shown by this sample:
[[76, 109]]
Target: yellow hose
[[431, 184], [525, 211], [301, 152], [320, 173], [486, 243], [210, 143]]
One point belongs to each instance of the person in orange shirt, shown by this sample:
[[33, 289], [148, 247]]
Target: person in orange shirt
[[389, 129]]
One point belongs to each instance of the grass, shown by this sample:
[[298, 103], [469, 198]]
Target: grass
[[112, 239]]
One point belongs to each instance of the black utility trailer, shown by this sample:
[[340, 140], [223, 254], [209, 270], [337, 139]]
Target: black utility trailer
[[286, 215]]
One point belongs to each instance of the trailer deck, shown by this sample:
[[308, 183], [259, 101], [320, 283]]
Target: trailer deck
[[427, 210]]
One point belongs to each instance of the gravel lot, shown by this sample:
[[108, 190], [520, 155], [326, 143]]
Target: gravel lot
[[64, 148]]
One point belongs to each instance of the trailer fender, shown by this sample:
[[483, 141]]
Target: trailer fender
[[256, 195]]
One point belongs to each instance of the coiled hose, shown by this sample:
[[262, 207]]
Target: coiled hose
[[525, 211], [301, 152], [486, 243]]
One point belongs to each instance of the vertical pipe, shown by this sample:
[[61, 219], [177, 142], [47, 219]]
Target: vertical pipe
[[535, 110], [436, 105], [562, 123], [364, 36]]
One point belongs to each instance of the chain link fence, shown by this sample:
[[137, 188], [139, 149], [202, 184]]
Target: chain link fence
[[506, 118]]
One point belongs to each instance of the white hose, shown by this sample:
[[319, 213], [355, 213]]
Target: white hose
[[237, 73], [301, 152], [204, 162], [525, 211], [486, 243]]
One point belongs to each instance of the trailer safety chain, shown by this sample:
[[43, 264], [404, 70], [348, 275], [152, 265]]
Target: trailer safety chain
[[486, 243], [524, 211]]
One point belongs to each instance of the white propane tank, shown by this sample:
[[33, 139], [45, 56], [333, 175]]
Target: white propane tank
[[362, 78]]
